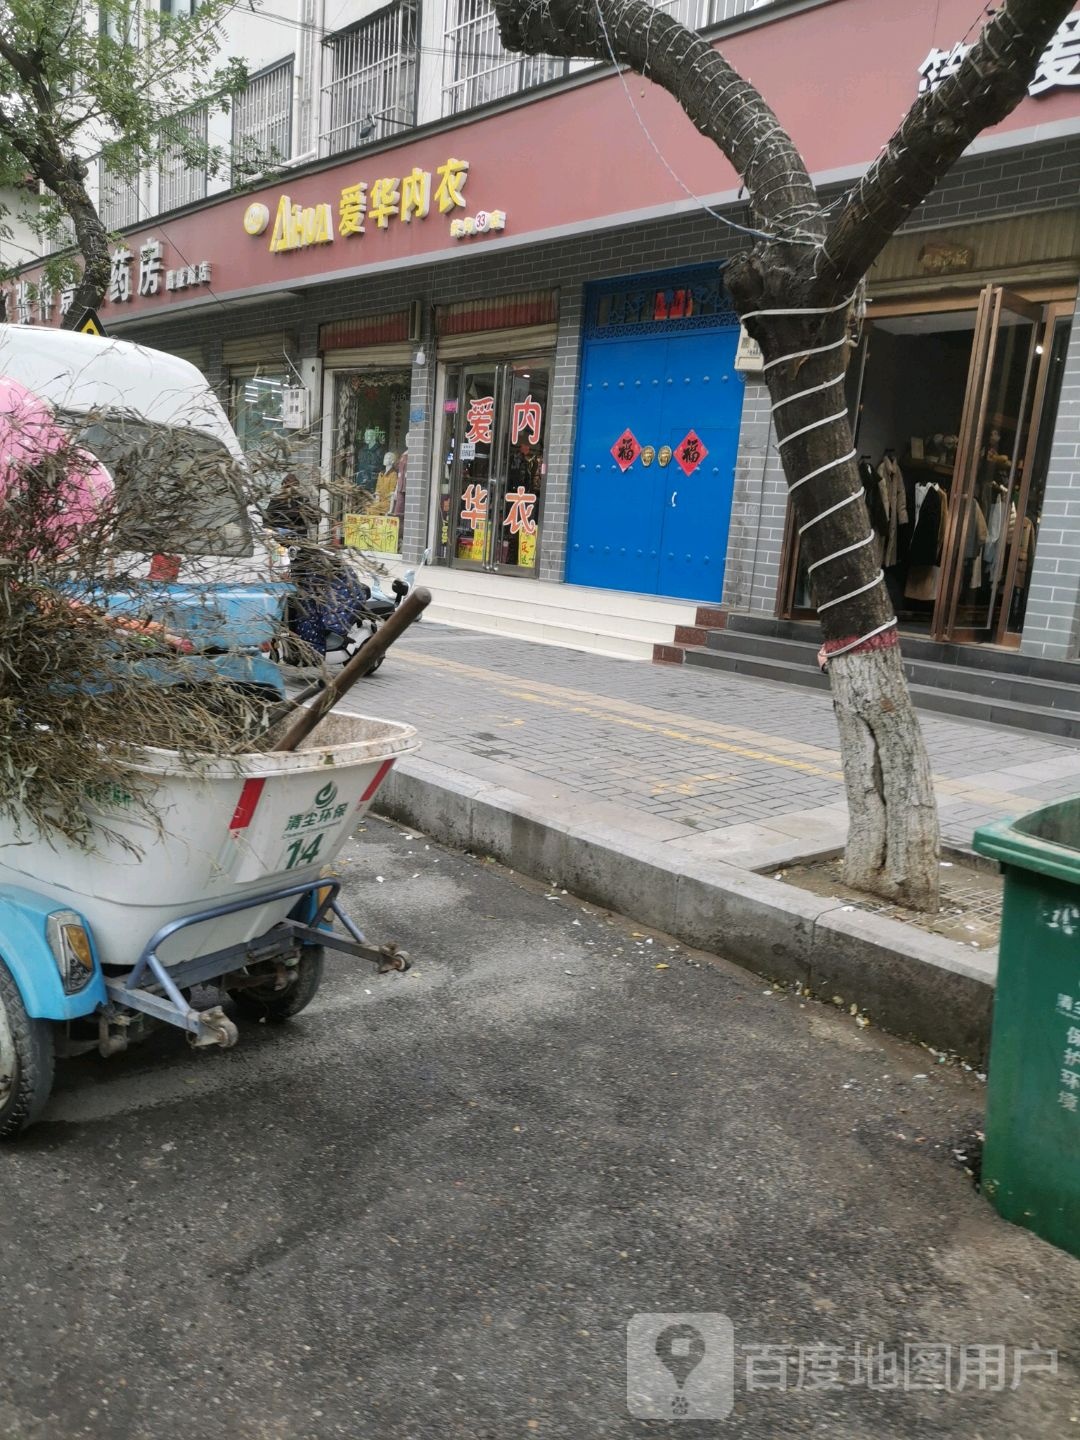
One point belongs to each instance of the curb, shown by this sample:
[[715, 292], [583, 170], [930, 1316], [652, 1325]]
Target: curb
[[916, 985]]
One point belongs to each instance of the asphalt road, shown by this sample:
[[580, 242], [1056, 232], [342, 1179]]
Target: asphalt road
[[430, 1206]]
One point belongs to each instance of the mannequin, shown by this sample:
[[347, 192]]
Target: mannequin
[[368, 461], [397, 504], [385, 485]]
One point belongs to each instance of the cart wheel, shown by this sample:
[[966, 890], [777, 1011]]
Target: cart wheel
[[26, 1061], [264, 1002]]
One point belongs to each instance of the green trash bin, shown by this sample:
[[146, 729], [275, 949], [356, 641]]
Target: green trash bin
[[1031, 1163]]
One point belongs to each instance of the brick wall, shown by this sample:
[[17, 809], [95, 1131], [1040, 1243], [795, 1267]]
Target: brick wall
[[990, 186], [1052, 620], [485, 270], [997, 184]]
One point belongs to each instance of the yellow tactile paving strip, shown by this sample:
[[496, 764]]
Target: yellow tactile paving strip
[[737, 740]]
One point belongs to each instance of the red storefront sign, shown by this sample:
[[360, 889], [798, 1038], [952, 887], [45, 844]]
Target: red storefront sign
[[464, 189]]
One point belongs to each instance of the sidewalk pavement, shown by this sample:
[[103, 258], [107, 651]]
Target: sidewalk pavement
[[714, 765], [660, 793]]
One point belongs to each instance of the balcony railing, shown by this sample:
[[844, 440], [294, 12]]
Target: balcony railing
[[118, 198], [371, 94], [477, 69], [179, 181], [262, 122]]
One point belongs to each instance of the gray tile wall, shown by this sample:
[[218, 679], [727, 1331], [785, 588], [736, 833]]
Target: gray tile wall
[[1045, 176], [1052, 620]]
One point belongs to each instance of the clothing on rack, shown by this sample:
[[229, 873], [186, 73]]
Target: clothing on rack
[[973, 545], [894, 493], [994, 526], [874, 493], [924, 554]]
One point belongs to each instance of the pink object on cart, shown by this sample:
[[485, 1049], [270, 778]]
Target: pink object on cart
[[29, 432]]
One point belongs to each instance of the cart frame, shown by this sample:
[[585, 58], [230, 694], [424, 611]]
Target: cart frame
[[319, 898]]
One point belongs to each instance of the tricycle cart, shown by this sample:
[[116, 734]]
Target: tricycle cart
[[215, 871]]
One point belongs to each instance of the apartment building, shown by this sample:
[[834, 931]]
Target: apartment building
[[487, 293]]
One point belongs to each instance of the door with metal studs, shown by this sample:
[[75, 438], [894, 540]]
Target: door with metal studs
[[654, 463]]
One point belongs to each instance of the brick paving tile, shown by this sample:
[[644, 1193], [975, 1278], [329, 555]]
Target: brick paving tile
[[704, 750]]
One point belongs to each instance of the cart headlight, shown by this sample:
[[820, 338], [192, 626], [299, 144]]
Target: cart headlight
[[70, 945]]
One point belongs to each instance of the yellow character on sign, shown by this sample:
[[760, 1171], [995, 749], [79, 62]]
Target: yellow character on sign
[[352, 208], [385, 199], [452, 177], [416, 194]]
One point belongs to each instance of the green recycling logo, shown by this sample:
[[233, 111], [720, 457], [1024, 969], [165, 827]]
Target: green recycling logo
[[327, 795]]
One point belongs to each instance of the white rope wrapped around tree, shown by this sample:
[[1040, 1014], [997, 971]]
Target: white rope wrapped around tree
[[795, 289]]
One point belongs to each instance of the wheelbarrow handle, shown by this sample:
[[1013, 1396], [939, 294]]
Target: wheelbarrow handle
[[410, 610]]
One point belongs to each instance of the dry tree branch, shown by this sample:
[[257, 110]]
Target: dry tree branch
[[990, 82], [721, 104]]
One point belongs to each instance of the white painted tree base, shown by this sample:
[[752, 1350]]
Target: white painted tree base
[[894, 842]]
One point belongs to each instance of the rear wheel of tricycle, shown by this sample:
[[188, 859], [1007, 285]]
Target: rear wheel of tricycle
[[274, 1002], [26, 1061]]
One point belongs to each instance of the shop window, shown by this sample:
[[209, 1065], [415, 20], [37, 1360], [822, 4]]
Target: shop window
[[492, 465], [370, 460], [257, 409], [953, 415]]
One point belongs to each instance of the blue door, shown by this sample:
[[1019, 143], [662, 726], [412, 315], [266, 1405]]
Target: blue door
[[618, 510], [657, 438]]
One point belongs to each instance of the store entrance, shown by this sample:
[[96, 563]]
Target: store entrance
[[953, 414], [491, 486]]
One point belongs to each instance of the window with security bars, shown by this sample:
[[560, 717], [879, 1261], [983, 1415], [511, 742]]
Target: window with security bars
[[477, 69], [371, 94], [118, 198], [262, 121], [180, 181]]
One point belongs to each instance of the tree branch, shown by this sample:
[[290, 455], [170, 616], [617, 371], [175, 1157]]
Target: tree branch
[[990, 82], [720, 103]]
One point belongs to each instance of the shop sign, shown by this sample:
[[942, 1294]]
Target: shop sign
[[377, 534], [945, 259], [296, 227], [375, 203], [1059, 64], [152, 277]]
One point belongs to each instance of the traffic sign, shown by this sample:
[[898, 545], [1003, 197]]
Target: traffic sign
[[89, 324]]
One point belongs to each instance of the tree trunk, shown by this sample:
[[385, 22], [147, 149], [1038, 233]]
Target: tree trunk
[[93, 242], [893, 841], [893, 837]]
